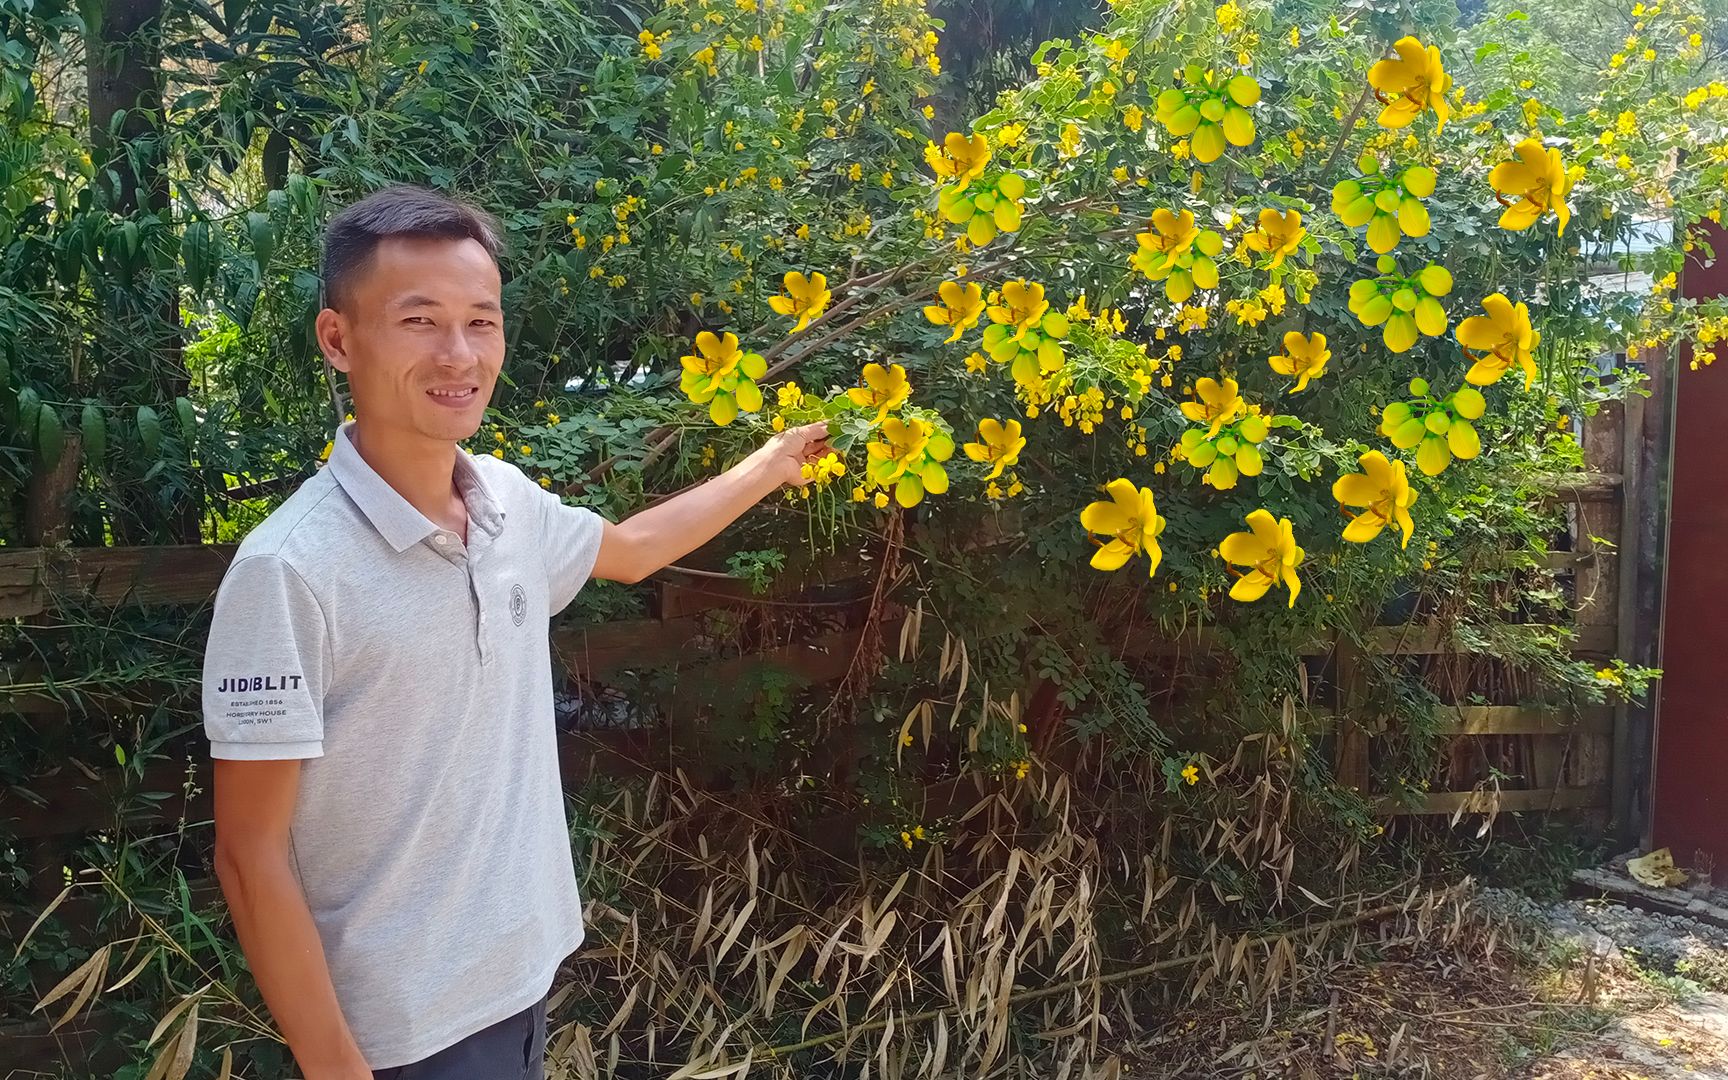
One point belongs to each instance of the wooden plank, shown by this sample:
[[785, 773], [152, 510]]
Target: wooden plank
[[1413, 639], [1522, 720], [1620, 764], [72, 803], [1351, 760], [1597, 581], [595, 652], [1580, 485], [164, 574], [1594, 797]]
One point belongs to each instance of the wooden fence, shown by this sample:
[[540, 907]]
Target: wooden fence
[[1565, 757], [1506, 757]]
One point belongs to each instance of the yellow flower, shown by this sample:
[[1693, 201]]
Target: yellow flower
[[1498, 340], [1530, 185], [1211, 108], [1022, 307], [552, 418], [324, 454], [881, 500], [527, 450], [499, 454], [1383, 490], [908, 453], [545, 481], [855, 173], [1133, 117], [999, 445], [721, 376], [1178, 253], [1269, 550], [1191, 773], [1278, 235], [961, 308], [1132, 522], [1418, 80], [960, 158], [884, 389], [808, 296], [1304, 357], [1218, 405]]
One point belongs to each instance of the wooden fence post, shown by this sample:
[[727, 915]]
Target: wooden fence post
[[1623, 821]]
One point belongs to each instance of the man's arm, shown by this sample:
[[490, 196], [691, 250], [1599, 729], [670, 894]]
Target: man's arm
[[647, 542], [254, 806]]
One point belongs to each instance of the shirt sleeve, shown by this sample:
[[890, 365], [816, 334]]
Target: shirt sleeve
[[570, 538], [266, 664]]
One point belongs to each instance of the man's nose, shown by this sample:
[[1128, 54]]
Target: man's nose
[[455, 349]]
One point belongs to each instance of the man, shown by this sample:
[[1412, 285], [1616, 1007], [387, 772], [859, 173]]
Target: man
[[390, 830]]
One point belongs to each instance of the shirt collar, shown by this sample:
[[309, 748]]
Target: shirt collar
[[397, 521]]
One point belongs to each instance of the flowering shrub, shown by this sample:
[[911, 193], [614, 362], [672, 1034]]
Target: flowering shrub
[[1201, 267]]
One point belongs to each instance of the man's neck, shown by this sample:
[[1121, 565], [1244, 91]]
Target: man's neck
[[422, 471]]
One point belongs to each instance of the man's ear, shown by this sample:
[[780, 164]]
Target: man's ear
[[332, 331]]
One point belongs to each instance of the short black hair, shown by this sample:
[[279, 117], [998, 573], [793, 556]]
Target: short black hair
[[398, 210]]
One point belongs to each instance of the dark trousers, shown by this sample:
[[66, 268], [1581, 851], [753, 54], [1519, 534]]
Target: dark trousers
[[511, 1049]]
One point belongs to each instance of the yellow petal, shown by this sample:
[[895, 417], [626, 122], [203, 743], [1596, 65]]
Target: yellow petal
[[1250, 587], [1112, 555], [1356, 489], [1104, 518], [1243, 549], [1363, 528]]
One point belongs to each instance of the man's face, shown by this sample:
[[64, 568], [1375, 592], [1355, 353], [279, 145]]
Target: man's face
[[420, 337]]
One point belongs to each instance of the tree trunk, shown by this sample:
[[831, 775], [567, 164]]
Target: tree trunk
[[123, 65]]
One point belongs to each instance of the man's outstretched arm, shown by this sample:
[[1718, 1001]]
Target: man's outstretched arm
[[649, 541]]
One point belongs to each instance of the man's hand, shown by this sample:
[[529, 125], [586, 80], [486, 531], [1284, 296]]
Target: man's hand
[[783, 457]]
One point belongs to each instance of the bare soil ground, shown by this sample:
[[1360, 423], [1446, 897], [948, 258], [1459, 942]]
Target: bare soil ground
[[1570, 991]]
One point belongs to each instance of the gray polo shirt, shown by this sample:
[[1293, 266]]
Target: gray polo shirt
[[413, 672]]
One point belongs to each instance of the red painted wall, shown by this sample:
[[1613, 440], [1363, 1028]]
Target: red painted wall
[[1690, 788]]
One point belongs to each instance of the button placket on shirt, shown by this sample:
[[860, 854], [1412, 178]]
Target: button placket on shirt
[[451, 548], [480, 543]]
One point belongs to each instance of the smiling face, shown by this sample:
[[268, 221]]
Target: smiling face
[[420, 335]]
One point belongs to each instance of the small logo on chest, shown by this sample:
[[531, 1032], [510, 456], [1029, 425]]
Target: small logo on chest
[[518, 604]]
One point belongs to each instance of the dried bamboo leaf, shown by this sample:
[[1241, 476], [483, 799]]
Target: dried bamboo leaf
[[623, 1011], [95, 964], [184, 1047], [136, 971], [700, 934], [40, 919], [227, 1069]]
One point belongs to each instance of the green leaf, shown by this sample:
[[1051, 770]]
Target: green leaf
[[149, 429], [188, 420], [263, 236], [95, 431], [28, 405], [50, 436]]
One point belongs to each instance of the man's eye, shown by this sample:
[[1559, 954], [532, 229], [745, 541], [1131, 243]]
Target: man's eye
[[418, 320], [483, 322]]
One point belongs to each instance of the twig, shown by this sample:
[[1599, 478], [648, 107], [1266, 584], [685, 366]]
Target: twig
[[1344, 133]]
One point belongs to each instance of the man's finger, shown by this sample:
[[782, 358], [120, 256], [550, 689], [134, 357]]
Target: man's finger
[[819, 429]]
